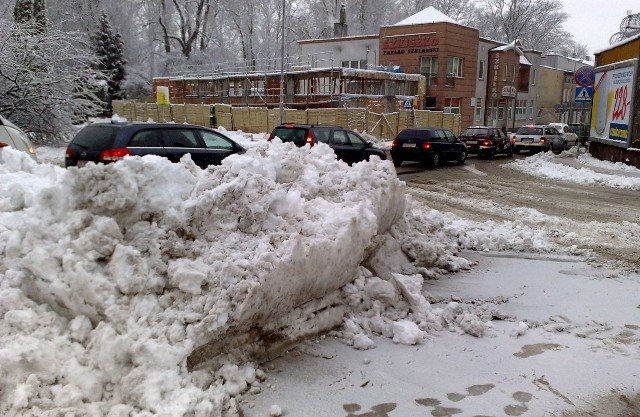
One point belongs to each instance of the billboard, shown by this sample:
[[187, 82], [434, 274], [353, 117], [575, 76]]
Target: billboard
[[612, 110]]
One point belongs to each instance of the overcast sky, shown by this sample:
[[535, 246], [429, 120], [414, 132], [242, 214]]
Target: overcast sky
[[593, 22]]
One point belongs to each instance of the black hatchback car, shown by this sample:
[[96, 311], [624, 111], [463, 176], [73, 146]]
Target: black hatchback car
[[347, 144], [109, 142], [429, 145]]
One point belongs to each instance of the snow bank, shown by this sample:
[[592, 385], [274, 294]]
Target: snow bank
[[112, 275]]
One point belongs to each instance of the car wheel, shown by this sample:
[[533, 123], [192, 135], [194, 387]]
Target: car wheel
[[397, 162], [462, 157], [516, 150], [435, 160]]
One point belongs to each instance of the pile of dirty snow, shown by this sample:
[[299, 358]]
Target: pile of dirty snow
[[111, 275]]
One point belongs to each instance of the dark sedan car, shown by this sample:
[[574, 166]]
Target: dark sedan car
[[347, 144], [429, 145], [109, 142], [486, 141]]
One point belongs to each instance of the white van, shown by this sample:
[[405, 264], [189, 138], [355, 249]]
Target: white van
[[13, 137]]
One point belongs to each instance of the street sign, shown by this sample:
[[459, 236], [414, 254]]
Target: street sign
[[584, 94], [407, 103], [584, 76], [508, 91]]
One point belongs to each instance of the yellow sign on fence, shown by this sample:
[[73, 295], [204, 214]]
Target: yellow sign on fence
[[162, 95]]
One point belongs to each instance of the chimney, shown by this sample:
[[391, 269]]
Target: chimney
[[340, 28]]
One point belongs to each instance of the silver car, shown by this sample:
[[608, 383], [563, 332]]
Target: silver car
[[536, 138], [13, 137]]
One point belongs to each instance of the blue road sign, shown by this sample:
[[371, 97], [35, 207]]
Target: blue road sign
[[584, 94]]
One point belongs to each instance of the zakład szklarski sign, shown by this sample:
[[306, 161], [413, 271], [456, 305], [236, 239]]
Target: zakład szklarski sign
[[410, 45]]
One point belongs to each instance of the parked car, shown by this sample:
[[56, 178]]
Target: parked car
[[570, 137], [13, 137], [347, 144], [582, 130], [432, 146], [486, 141], [109, 142], [536, 138]]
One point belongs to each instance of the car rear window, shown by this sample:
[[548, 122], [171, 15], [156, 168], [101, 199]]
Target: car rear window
[[475, 132], [97, 138], [529, 130], [413, 134], [297, 135]]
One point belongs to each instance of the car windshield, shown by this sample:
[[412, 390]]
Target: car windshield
[[297, 135], [474, 131], [97, 138], [529, 130]]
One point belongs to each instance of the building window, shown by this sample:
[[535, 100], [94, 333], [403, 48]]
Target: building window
[[513, 73], [361, 64], [533, 80], [429, 68], [501, 111], [454, 67], [481, 71], [521, 109], [452, 105], [505, 73], [478, 109], [531, 109]]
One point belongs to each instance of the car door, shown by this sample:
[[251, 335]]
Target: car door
[[438, 143], [454, 147], [180, 141], [217, 146], [342, 146], [147, 142]]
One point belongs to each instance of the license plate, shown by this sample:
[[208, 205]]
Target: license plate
[[81, 164], [471, 142], [527, 139], [410, 145]]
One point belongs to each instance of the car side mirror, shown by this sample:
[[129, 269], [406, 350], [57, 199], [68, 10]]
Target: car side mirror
[[368, 144]]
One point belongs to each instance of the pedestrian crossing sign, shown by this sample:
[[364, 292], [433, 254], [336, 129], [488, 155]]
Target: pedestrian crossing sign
[[584, 94]]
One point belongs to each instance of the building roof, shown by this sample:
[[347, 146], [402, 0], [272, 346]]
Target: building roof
[[428, 15], [622, 42], [513, 46]]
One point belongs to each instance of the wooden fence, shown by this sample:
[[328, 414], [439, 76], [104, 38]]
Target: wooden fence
[[257, 120]]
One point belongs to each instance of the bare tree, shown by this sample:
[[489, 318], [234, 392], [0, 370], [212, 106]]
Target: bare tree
[[47, 80], [183, 21], [536, 23]]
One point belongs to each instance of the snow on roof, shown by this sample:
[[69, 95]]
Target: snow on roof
[[524, 60], [615, 45], [513, 45], [428, 15]]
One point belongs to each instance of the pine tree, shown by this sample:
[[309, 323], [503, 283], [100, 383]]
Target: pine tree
[[109, 49]]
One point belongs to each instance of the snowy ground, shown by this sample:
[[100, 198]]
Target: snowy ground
[[111, 275]]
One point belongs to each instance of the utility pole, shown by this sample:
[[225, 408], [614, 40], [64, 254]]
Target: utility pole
[[282, 68]]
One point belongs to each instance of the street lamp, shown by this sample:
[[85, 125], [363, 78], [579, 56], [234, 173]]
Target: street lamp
[[282, 69]]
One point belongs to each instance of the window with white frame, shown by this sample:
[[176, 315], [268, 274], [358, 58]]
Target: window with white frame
[[521, 109], [429, 68], [359, 64], [454, 66], [533, 77], [513, 73], [531, 109], [478, 109], [452, 105], [505, 72], [481, 69]]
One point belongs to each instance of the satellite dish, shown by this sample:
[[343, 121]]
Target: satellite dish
[[630, 26]]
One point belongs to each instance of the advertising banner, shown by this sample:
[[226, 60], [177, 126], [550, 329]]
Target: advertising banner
[[612, 109]]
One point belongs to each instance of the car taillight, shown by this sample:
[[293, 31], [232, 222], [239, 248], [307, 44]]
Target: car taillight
[[309, 139], [485, 143], [542, 140], [513, 139], [426, 146], [68, 152], [394, 144], [269, 138], [113, 154]]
